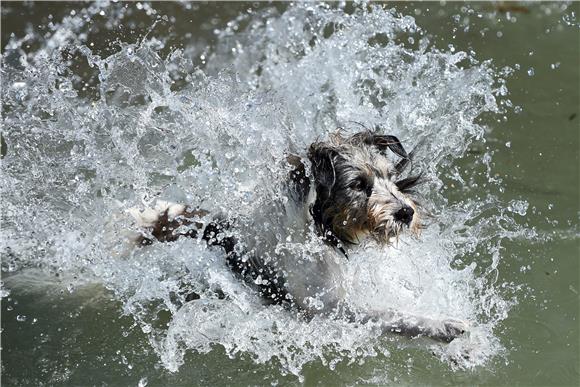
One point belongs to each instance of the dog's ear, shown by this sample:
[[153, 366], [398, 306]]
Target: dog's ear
[[407, 185], [382, 142], [323, 156], [391, 142], [298, 181], [401, 165]]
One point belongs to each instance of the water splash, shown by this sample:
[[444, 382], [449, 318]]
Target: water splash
[[152, 126]]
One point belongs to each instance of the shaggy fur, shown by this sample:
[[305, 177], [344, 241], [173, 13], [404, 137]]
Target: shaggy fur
[[353, 191], [356, 190]]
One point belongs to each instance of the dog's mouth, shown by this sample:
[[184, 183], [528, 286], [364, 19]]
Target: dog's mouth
[[384, 225], [388, 229], [387, 232]]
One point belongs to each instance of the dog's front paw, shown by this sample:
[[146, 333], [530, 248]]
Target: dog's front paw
[[149, 217], [452, 329]]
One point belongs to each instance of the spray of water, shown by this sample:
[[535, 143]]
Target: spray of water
[[135, 126]]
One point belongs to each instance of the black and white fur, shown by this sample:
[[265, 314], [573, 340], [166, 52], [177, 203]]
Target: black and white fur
[[352, 191]]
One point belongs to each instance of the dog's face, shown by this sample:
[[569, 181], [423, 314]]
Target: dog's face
[[357, 188]]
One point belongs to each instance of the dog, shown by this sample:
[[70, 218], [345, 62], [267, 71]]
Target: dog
[[351, 191]]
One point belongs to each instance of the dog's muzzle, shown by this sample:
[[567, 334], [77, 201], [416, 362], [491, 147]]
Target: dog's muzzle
[[404, 215]]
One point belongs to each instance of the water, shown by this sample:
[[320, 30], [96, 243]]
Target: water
[[109, 106]]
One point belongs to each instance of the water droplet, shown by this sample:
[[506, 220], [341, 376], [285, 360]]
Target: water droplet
[[142, 382], [531, 72], [519, 207], [20, 318], [4, 293]]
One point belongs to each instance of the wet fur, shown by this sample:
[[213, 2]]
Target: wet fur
[[352, 191], [356, 193]]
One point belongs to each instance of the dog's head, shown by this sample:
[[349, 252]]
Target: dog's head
[[359, 191]]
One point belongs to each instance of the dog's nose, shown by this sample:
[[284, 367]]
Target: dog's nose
[[404, 215]]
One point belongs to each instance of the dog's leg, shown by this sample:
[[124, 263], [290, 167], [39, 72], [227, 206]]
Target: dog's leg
[[414, 326], [167, 222]]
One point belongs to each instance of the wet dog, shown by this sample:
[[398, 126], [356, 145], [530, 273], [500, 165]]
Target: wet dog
[[351, 191]]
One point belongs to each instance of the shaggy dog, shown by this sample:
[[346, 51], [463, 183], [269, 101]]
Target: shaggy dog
[[352, 191]]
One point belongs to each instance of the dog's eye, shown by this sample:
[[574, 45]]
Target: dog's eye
[[361, 185], [357, 185]]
